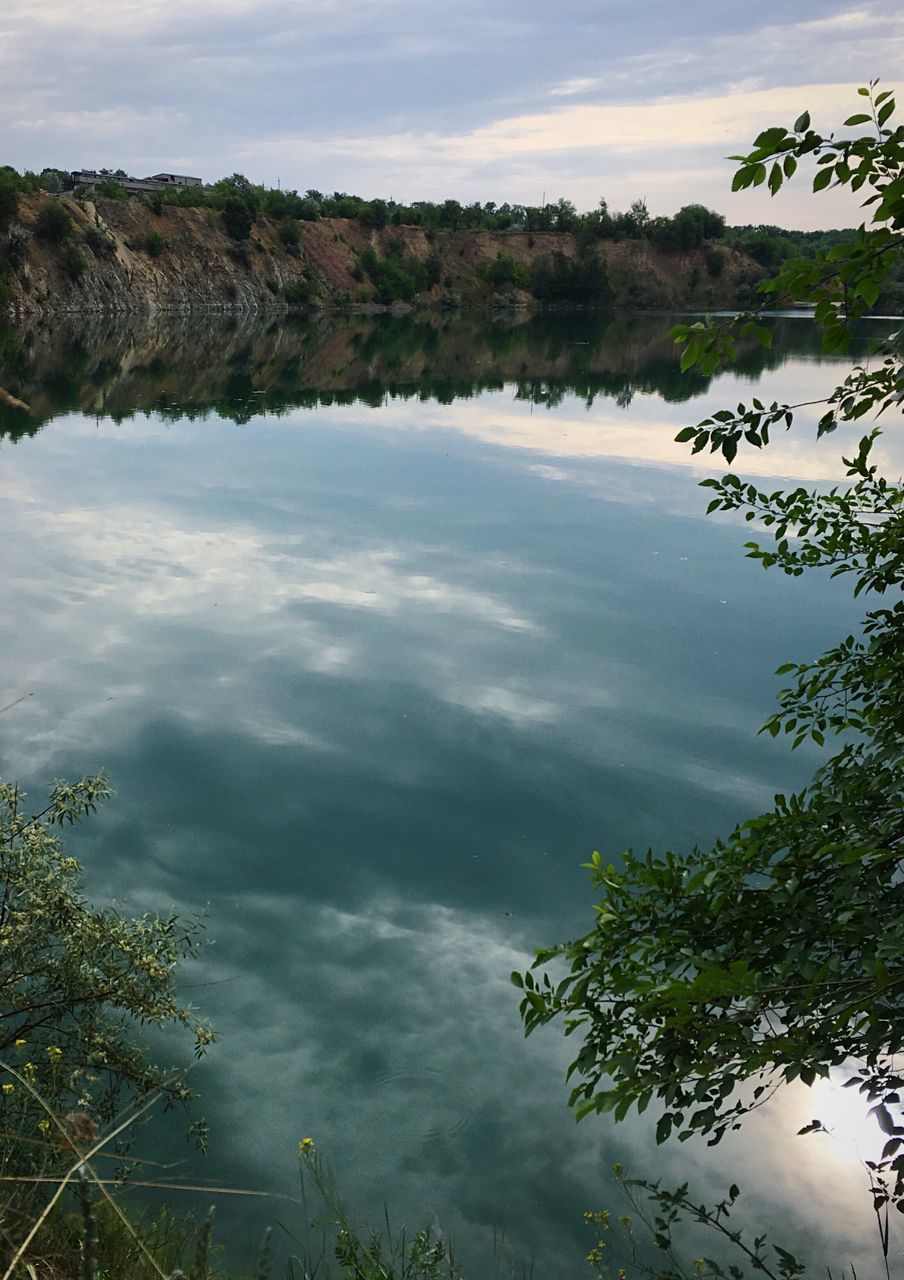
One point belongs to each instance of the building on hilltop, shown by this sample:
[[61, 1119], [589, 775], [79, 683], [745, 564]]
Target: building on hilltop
[[175, 180], [134, 186]]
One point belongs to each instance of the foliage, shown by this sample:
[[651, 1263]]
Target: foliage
[[302, 291], [578, 280], [73, 260], [665, 1214], [75, 983], [712, 977], [109, 189], [154, 244], [237, 218], [288, 232], [99, 242], [506, 271], [9, 197], [370, 1256], [53, 223], [399, 277]]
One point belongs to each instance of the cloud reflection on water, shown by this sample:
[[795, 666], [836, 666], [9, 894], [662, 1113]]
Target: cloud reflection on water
[[373, 684]]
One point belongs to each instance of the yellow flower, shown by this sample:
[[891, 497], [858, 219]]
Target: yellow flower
[[54, 1053], [20, 1044], [9, 1088], [306, 1147]]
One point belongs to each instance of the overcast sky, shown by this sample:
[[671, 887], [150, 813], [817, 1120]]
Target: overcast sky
[[480, 99]]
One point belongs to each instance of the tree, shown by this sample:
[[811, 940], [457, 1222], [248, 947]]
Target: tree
[[237, 218], [712, 977]]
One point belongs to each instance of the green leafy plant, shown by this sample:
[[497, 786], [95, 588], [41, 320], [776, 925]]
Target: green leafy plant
[[712, 977], [53, 223], [369, 1255], [154, 244], [74, 984]]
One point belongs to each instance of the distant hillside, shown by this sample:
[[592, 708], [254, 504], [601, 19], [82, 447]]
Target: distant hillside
[[61, 255]]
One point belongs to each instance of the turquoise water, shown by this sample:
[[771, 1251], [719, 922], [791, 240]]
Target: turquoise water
[[379, 631]]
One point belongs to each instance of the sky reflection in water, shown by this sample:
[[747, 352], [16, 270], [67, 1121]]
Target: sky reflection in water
[[372, 683]]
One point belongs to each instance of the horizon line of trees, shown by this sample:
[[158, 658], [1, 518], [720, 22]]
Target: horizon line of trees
[[690, 227]]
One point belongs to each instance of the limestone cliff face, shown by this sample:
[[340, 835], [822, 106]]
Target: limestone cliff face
[[200, 268]]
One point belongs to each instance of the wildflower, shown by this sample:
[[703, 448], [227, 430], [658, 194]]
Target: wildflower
[[54, 1053], [20, 1044], [8, 1088], [306, 1147]]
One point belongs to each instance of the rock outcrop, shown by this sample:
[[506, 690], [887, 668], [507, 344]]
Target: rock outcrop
[[123, 257]]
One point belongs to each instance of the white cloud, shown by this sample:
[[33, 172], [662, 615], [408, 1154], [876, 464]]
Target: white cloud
[[570, 88]]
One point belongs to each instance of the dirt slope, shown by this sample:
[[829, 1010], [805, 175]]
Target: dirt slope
[[201, 268]]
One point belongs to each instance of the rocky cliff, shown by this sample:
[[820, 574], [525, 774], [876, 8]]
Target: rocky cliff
[[122, 257]]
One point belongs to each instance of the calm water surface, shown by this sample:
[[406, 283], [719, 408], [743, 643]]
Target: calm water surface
[[380, 629]]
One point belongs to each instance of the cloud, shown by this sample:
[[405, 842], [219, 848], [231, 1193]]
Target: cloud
[[423, 102], [579, 85]]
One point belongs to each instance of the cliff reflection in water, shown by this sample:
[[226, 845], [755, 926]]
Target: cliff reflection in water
[[240, 368]]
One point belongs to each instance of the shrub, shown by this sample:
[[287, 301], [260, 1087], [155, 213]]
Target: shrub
[[17, 240], [54, 222], [560, 279], [288, 232], [396, 278], [76, 983], [154, 244], [715, 263], [301, 291], [100, 244], [237, 218], [73, 260], [506, 271], [111, 190], [9, 197]]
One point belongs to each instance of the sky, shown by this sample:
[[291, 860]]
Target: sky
[[479, 101]]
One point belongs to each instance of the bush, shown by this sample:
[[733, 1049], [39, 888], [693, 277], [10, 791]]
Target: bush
[[17, 240], [396, 278], [715, 263], [76, 984], [73, 260], [154, 244], [237, 218], [100, 244], [9, 197], [288, 232], [560, 279], [111, 190], [301, 292], [506, 271], [54, 222]]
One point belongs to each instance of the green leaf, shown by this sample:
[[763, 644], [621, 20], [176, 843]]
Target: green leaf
[[802, 123], [860, 118], [822, 179]]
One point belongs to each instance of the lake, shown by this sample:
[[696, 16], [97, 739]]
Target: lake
[[380, 628]]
